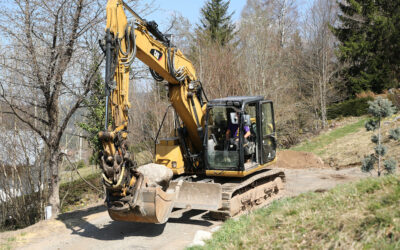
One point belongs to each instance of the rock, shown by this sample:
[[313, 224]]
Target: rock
[[215, 229], [157, 174], [200, 237]]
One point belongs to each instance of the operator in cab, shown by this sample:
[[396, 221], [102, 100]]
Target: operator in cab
[[233, 128]]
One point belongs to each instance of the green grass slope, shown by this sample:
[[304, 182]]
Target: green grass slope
[[346, 145], [317, 144], [78, 194], [365, 214]]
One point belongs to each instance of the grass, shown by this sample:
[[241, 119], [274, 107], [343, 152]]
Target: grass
[[67, 176], [80, 194], [318, 144], [8, 243], [364, 215]]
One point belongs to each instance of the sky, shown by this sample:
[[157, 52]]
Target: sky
[[189, 9]]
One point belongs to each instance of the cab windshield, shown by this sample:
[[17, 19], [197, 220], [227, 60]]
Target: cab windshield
[[222, 153]]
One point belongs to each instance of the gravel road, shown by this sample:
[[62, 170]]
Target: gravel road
[[93, 229]]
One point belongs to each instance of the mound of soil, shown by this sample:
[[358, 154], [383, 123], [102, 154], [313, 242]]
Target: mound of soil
[[298, 160]]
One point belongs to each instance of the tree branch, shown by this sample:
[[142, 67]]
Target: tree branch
[[38, 131]]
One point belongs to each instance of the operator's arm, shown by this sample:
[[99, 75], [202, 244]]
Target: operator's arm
[[247, 130]]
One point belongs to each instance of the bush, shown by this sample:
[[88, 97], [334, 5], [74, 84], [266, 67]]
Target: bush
[[353, 107], [20, 212], [364, 94], [80, 164], [394, 96], [379, 109], [78, 191]]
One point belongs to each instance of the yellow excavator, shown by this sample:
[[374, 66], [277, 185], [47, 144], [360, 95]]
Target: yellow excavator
[[220, 155]]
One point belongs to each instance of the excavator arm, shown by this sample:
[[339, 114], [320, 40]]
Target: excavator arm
[[125, 42], [146, 193]]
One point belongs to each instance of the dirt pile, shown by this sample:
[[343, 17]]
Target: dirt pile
[[298, 160]]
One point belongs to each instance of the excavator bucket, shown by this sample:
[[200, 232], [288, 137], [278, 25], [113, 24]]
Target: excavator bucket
[[195, 195], [153, 205]]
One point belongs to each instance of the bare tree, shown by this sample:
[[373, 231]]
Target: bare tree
[[45, 66], [320, 64], [269, 56], [218, 69]]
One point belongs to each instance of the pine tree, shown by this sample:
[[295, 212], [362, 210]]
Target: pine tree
[[216, 23], [379, 109], [369, 33], [95, 105]]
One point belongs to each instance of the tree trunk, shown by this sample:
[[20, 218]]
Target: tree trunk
[[379, 145], [54, 185]]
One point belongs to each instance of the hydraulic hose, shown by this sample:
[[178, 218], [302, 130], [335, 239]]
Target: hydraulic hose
[[179, 74], [156, 76], [130, 47]]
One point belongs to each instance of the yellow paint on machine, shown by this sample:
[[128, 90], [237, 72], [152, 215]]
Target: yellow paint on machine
[[239, 174], [169, 154]]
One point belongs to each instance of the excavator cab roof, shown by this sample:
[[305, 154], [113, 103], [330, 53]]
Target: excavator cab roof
[[237, 101]]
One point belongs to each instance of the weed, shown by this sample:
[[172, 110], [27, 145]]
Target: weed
[[291, 212], [5, 246], [80, 164], [368, 186]]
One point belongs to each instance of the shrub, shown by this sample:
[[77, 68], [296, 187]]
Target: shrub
[[365, 94], [80, 164], [394, 96], [379, 109], [353, 107]]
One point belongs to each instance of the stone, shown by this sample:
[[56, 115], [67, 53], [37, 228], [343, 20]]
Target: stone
[[157, 174]]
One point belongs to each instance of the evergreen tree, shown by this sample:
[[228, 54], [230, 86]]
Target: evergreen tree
[[216, 23], [95, 105], [369, 33], [379, 109]]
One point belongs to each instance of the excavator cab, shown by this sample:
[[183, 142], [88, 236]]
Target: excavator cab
[[231, 151]]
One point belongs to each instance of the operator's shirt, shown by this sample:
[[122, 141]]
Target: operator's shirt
[[235, 128]]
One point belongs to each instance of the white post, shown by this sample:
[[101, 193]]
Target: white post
[[47, 213]]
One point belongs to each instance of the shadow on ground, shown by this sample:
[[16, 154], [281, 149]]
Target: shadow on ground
[[105, 229], [193, 217]]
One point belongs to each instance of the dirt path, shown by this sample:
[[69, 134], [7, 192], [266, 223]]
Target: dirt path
[[303, 180], [93, 228]]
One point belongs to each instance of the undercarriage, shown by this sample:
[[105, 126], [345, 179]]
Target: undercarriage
[[151, 199]]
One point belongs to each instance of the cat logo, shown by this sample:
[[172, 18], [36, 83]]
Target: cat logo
[[157, 54]]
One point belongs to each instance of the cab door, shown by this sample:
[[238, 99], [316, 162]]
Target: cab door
[[267, 133]]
